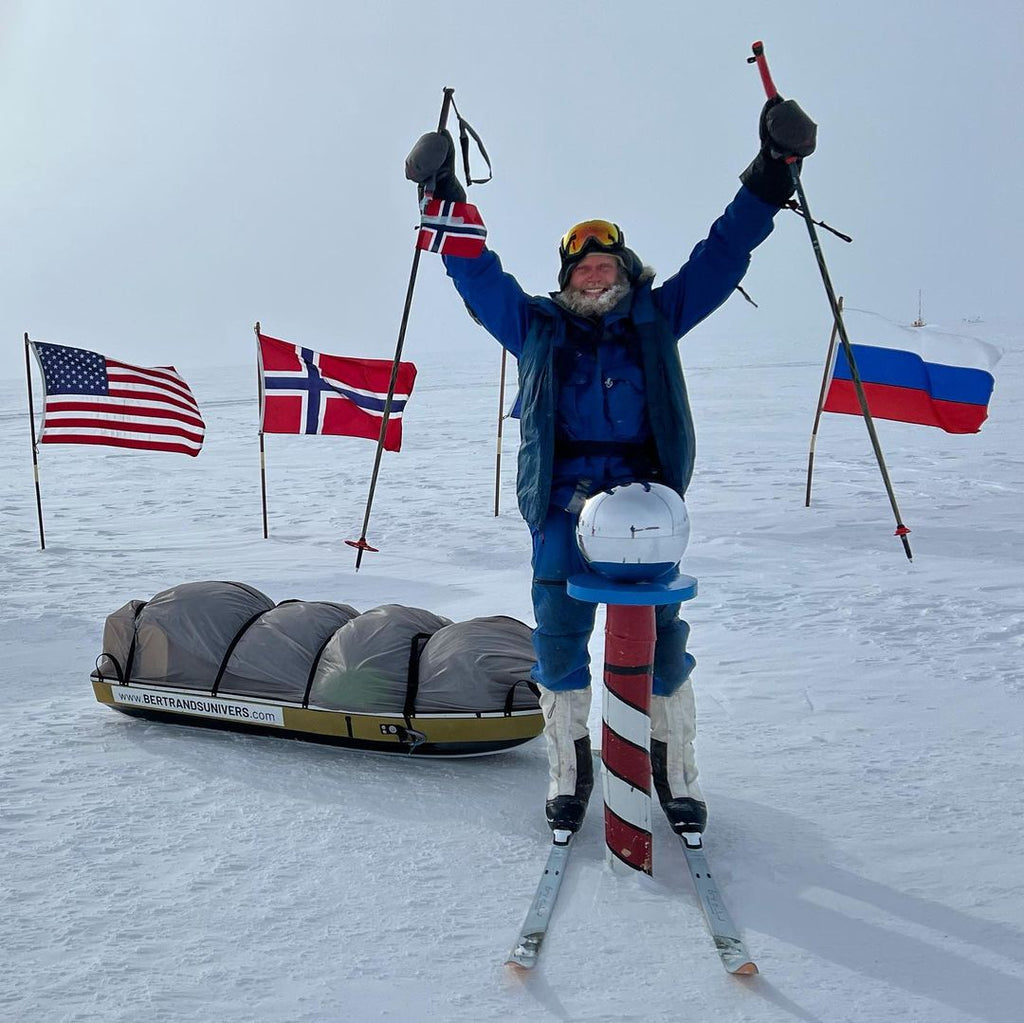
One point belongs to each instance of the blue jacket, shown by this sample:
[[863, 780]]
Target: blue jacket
[[617, 379]]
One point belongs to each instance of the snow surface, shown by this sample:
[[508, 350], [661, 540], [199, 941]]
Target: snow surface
[[860, 728]]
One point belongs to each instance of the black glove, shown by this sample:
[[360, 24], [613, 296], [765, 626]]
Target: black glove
[[431, 164], [785, 131]]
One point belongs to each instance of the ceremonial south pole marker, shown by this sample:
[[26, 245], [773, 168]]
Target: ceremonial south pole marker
[[626, 725], [631, 538]]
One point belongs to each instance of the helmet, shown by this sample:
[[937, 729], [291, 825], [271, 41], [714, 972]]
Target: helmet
[[635, 532], [596, 236]]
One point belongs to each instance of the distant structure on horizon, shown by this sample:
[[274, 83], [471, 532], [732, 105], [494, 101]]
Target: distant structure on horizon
[[919, 322]]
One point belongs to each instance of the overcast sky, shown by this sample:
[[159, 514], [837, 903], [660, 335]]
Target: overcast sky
[[174, 171]]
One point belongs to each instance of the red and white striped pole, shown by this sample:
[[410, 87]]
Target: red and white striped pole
[[626, 736], [629, 640]]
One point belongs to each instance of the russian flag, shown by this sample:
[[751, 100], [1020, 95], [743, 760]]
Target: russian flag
[[916, 375]]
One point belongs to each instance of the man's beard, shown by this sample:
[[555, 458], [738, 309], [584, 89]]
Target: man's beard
[[582, 304]]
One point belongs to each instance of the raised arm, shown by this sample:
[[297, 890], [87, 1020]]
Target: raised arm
[[719, 262], [493, 297]]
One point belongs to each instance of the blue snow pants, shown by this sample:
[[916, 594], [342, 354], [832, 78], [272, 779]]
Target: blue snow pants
[[564, 624]]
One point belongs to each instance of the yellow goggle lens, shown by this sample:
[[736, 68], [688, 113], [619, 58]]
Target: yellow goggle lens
[[603, 233]]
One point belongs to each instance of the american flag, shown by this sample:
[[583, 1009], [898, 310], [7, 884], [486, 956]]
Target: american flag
[[451, 228], [310, 392], [91, 399]]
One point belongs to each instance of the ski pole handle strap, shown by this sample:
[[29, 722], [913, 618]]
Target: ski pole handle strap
[[465, 131]]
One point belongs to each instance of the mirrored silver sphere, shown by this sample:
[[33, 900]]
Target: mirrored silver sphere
[[635, 532]]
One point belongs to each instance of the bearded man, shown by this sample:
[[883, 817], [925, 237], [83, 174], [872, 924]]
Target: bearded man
[[603, 402]]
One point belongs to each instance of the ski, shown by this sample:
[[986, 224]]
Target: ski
[[527, 946], [728, 943]]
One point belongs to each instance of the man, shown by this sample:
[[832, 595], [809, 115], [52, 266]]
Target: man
[[603, 401]]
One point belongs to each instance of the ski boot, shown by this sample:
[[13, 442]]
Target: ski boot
[[673, 767], [569, 756]]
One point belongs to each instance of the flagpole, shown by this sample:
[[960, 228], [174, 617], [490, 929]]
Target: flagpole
[[32, 429], [821, 401], [501, 424], [263, 456], [361, 544]]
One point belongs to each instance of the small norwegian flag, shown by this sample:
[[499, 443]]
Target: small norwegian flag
[[451, 228]]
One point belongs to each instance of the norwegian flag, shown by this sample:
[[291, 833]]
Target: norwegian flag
[[451, 228], [309, 392]]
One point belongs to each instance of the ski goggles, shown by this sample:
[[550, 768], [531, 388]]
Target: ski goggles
[[591, 236]]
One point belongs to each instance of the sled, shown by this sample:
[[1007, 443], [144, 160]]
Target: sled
[[391, 680]]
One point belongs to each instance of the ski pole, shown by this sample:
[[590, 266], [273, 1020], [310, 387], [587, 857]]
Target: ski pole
[[772, 92], [361, 544]]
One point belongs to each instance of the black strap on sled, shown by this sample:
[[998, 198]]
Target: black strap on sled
[[129, 661], [510, 697], [231, 649], [412, 680], [116, 665], [312, 675]]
